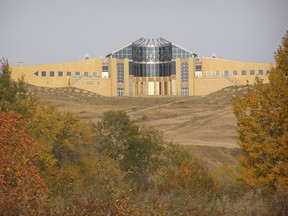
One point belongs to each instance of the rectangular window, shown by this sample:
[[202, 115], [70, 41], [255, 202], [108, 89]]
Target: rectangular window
[[243, 72], [77, 73], [95, 74], [267, 72], [198, 74], [235, 72], [260, 72], [184, 91], [252, 72], [120, 91], [43, 73], [208, 73], [226, 73], [69, 73], [86, 74], [198, 67], [218, 73], [52, 73], [60, 73], [105, 68]]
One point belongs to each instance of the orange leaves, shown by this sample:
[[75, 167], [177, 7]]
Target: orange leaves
[[20, 184], [262, 118]]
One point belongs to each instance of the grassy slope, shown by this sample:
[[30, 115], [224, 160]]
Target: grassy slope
[[205, 125]]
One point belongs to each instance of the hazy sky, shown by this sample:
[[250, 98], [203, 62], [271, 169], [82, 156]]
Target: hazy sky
[[53, 31]]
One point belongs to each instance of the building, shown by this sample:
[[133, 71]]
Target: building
[[145, 67]]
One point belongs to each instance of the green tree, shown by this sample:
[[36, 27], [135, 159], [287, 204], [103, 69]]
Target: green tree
[[262, 118], [136, 150], [113, 132], [13, 94]]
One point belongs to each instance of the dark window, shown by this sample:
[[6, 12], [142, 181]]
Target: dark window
[[86, 74], [235, 73], [243, 72], [60, 73], [77, 73], [68, 73], [43, 73], [260, 72], [52, 74], [267, 72], [252, 72], [226, 73], [105, 68], [198, 67]]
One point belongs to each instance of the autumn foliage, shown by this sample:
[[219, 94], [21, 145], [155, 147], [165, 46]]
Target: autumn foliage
[[22, 190], [262, 118]]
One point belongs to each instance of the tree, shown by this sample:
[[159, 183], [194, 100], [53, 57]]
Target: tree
[[262, 118], [22, 190], [13, 95], [136, 150]]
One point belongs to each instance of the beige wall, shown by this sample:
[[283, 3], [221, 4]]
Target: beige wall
[[112, 64], [90, 66], [100, 86], [207, 85], [213, 65], [108, 86]]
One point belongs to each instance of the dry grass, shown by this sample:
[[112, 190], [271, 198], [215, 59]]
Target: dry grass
[[206, 125]]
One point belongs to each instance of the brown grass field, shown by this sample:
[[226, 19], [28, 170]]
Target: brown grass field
[[205, 125]]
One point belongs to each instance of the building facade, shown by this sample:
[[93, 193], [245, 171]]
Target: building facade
[[146, 67]]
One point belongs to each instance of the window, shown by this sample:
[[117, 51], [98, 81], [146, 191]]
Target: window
[[52, 73], [60, 73], [208, 73], [95, 74], [105, 68], [43, 73], [198, 73], [184, 91], [77, 73], [260, 72], [243, 72], [235, 72], [120, 73], [226, 73], [184, 72], [86, 74], [120, 91], [218, 73], [198, 67], [252, 72], [69, 73], [267, 72]]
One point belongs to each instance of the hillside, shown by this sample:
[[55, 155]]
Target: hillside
[[205, 125]]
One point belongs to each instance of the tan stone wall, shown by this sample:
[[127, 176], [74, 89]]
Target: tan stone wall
[[213, 65], [112, 63], [191, 76], [178, 76], [100, 86], [108, 86], [126, 77], [90, 66], [207, 85]]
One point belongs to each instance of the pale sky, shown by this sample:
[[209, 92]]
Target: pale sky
[[53, 31]]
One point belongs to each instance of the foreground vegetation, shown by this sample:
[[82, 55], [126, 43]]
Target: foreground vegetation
[[53, 163]]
